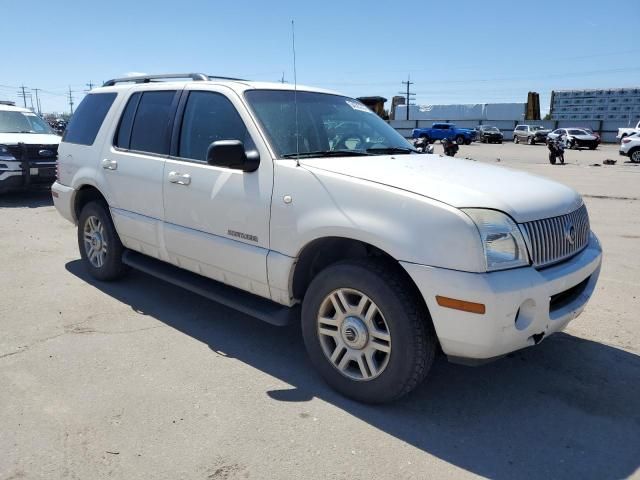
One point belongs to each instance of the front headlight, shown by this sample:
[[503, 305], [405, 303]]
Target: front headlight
[[502, 240]]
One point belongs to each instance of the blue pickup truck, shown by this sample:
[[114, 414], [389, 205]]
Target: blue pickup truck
[[439, 131]]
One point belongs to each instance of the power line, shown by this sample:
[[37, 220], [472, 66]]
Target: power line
[[408, 93]]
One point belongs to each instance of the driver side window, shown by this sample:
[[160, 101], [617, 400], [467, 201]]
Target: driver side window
[[209, 117]]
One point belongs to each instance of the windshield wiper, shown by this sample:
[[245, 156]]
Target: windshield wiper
[[327, 153], [391, 150]]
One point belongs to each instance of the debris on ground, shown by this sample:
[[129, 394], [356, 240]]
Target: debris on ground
[[609, 161], [595, 165]]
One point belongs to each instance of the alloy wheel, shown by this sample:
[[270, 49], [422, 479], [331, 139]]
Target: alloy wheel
[[95, 242], [354, 334]]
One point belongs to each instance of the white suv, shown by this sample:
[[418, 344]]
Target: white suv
[[28, 149], [264, 198], [630, 147]]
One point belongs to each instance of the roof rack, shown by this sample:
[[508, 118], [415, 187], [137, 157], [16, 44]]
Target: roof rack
[[196, 77], [8, 102]]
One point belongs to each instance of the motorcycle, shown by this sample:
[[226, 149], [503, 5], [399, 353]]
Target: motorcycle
[[556, 148], [422, 145], [450, 147]]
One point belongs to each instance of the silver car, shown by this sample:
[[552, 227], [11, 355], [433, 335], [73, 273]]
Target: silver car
[[530, 134], [576, 138]]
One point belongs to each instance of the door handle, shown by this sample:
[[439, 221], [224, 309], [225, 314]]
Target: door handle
[[109, 164], [180, 178]]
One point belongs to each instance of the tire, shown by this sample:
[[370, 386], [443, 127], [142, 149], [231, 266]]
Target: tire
[[515, 139], [467, 142], [400, 313], [484, 140], [500, 142], [592, 147], [459, 139], [95, 229], [531, 141], [552, 158], [634, 155]]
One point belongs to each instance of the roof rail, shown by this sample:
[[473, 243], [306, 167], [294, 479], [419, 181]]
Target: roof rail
[[8, 102], [165, 76]]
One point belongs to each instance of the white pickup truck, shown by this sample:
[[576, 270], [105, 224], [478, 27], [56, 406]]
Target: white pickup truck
[[625, 132], [302, 205]]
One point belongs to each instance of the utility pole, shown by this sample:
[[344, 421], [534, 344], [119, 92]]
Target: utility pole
[[38, 101], [23, 95], [408, 93], [282, 80], [90, 85], [70, 94]]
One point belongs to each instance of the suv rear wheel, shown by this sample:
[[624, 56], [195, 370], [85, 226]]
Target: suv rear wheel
[[635, 155], [100, 246], [366, 330]]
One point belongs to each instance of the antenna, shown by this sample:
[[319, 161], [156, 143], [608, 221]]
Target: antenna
[[295, 91]]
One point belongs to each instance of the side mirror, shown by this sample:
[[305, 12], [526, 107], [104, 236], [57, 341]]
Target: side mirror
[[231, 154]]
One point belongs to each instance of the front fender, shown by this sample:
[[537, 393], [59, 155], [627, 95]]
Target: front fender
[[407, 226]]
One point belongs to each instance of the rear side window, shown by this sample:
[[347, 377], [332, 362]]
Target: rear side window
[[123, 137], [151, 122], [86, 122]]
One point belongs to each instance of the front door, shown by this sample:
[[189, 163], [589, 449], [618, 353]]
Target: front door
[[216, 218]]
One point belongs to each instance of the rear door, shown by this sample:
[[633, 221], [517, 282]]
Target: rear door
[[133, 165], [217, 218]]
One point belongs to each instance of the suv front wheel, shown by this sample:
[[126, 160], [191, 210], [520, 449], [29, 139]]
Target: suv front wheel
[[367, 331], [100, 246]]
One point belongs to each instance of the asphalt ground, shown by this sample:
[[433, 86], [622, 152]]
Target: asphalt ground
[[141, 380]]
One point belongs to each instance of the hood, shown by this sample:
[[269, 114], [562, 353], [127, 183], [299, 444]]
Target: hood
[[29, 138], [585, 138], [542, 132], [460, 183]]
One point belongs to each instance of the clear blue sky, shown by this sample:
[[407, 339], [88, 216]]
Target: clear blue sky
[[456, 52]]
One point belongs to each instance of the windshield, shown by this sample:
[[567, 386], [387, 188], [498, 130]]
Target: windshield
[[22, 122], [490, 129], [537, 127], [326, 124], [577, 132]]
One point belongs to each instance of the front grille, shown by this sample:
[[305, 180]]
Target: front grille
[[32, 152], [550, 239]]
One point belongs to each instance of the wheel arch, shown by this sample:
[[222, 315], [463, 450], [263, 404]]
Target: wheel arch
[[322, 252], [85, 194]]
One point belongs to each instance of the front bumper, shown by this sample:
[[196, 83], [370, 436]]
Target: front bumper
[[35, 175], [523, 305]]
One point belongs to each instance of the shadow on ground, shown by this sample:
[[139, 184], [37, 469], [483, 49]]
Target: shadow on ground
[[568, 408], [40, 197]]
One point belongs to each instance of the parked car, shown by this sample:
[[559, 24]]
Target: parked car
[[595, 134], [440, 131], [531, 134], [630, 147], [488, 134], [625, 132], [385, 255], [28, 149], [576, 138]]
